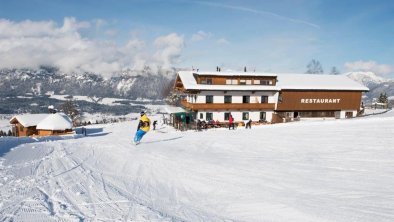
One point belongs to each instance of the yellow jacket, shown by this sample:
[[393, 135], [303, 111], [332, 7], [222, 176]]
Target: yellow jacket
[[144, 123]]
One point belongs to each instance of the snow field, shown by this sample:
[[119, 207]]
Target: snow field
[[338, 170]]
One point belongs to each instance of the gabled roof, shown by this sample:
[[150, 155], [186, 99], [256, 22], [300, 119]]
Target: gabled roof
[[284, 82], [56, 121], [28, 120]]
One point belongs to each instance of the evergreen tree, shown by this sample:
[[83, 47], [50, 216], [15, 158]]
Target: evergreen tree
[[334, 71], [383, 98], [314, 67]]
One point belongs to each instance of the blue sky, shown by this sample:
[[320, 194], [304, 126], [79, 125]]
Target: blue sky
[[274, 36]]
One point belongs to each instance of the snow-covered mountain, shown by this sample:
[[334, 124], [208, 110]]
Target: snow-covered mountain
[[375, 83], [131, 85], [366, 78], [28, 90], [333, 170]]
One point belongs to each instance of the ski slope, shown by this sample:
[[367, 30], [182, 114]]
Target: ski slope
[[337, 170]]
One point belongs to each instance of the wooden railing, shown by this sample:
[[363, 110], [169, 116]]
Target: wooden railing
[[228, 106]]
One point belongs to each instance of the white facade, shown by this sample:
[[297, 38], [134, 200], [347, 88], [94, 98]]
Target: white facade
[[236, 97], [218, 96], [237, 115]]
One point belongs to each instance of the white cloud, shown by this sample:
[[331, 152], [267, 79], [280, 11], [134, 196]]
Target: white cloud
[[34, 43], [169, 49], [223, 41], [200, 35], [372, 66]]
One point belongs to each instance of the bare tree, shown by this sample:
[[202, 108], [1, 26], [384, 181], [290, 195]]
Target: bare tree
[[314, 67], [70, 109]]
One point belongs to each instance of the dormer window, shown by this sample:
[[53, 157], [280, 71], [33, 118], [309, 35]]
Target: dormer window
[[207, 81], [231, 82]]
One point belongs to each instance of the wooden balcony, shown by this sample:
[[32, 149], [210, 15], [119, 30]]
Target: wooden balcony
[[228, 106]]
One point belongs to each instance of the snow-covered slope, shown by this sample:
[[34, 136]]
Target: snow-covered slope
[[339, 170]]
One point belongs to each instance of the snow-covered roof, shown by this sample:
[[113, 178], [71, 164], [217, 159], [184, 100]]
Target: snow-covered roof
[[28, 120], [56, 121], [174, 109], [318, 82], [189, 82], [285, 81]]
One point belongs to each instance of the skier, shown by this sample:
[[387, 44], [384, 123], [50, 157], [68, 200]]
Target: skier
[[143, 128]]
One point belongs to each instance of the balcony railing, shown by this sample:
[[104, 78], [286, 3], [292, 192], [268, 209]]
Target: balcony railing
[[228, 106]]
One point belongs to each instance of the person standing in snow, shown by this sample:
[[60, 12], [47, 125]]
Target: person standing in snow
[[143, 128], [248, 124], [230, 122], [154, 124]]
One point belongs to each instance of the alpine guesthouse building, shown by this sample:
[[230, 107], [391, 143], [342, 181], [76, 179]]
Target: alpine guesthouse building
[[268, 97]]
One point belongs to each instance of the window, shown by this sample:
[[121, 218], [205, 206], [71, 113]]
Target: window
[[231, 82], [249, 82], [245, 99], [227, 99], [209, 116], [263, 116], [203, 81], [209, 81], [21, 128], [242, 82], [245, 116], [209, 99], [256, 82], [265, 82], [264, 99], [201, 116], [226, 116]]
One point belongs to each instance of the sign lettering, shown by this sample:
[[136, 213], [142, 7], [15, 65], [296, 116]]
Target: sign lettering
[[320, 100]]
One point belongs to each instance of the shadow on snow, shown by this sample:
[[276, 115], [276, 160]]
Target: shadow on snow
[[163, 140]]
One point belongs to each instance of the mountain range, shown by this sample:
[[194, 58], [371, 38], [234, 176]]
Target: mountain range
[[29, 90]]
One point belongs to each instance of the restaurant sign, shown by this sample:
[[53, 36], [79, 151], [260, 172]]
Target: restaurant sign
[[320, 100]]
